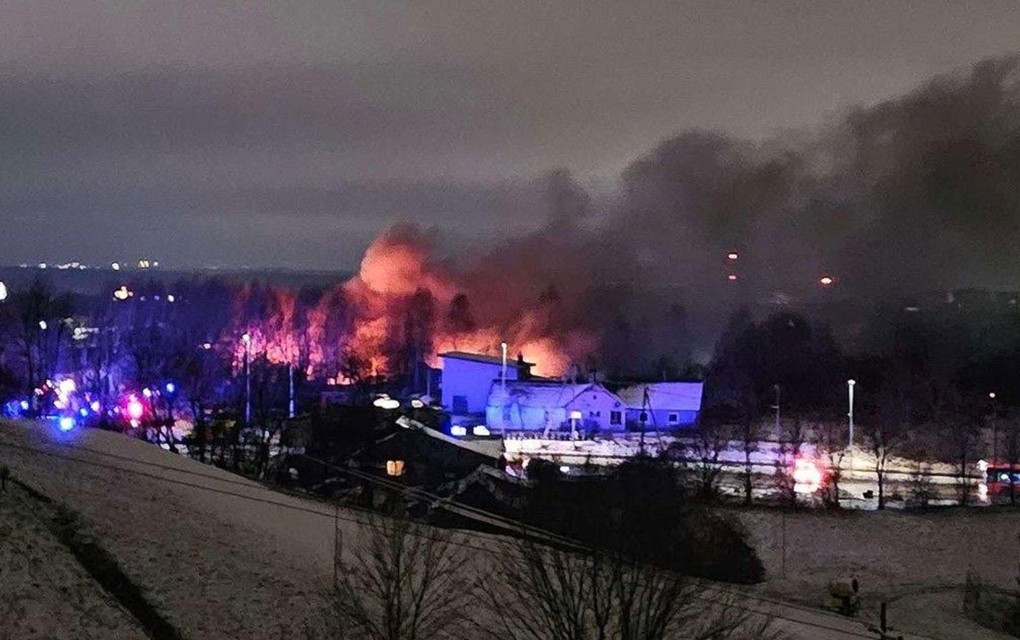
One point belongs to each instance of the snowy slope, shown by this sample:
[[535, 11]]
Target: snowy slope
[[224, 557]]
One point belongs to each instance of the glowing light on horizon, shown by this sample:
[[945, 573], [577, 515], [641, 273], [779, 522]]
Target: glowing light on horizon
[[732, 277], [825, 280], [732, 255]]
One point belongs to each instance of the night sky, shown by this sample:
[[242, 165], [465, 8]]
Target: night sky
[[291, 133]]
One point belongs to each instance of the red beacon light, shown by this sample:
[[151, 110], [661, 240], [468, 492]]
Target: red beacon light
[[135, 408]]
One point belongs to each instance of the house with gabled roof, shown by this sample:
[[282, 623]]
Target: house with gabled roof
[[551, 406], [663, 405]]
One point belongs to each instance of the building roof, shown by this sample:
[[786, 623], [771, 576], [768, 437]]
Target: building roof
[[539, 394], [477, 357], [672, 396]]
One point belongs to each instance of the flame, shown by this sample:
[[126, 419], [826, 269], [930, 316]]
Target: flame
[[404, 305]]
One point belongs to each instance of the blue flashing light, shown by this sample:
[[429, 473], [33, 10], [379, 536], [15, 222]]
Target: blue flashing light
[[66, 423]]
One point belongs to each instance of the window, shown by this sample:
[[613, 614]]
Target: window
[[615, 417], [674, 418], [394, 467], [460, 404]]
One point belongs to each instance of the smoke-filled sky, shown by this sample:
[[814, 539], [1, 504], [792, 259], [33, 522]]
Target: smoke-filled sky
[[292, 133]]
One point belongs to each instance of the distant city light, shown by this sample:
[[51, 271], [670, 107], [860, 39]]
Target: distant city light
[[67, 386], [24, 405], [732, 255], [207, 345], [3, 291], [171, 387], [66, 423], [147, 392], [732, 277], [123, 293], [826, 280], [416, 403], [246, 338], [95, 406], [170, 298], [457, 430], [564, 469], [83, 412], [992, 395], [481, 430], [115, 266], [43, 325]]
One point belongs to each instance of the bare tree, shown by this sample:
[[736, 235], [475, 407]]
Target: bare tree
[[832, 439], [538, 593], [961, 435], [886, 433], [404, 581], [792, 435], [707, 443]]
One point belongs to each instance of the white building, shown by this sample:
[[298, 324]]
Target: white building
[[665, 405], [550, 406], [468, 377]]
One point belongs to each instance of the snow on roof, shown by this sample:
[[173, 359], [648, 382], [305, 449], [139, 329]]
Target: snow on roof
[[540, 394], [676, 396], [477, 357]]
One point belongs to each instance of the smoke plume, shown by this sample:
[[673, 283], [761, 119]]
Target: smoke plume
[[917, 193]]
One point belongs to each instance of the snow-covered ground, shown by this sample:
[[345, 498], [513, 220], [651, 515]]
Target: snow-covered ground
[[44, 592], [223, 557]]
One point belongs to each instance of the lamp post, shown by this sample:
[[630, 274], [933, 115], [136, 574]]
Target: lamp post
[[850, 421], [778, 391], [246, 339], [995, 429], [290, 390]]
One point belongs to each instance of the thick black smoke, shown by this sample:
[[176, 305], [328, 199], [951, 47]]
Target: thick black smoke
[[915, 194]]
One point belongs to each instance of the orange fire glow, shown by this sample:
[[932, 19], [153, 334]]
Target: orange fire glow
[[406, 304]]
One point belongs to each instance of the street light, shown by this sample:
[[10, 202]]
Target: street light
[[995, 429], [850, 417], [778, 391], [246, 339]]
